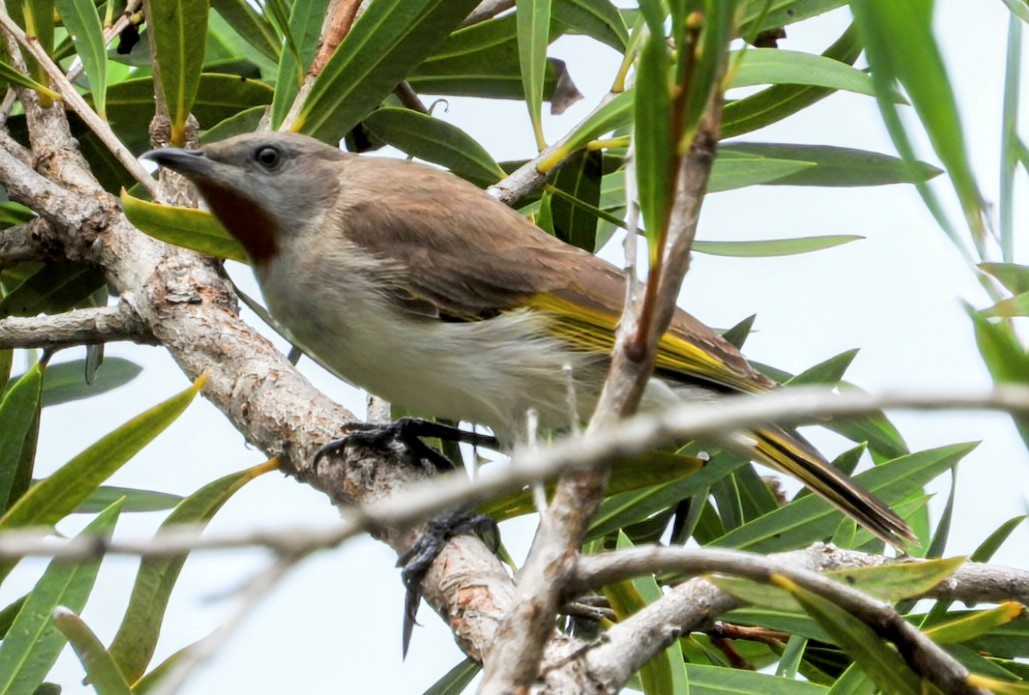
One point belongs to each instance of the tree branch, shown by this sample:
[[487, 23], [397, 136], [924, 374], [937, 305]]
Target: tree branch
[[78, 327], [629, 644]]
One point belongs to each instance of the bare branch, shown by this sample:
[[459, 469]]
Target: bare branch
[[632, 642], [973, 582], [77, 327]]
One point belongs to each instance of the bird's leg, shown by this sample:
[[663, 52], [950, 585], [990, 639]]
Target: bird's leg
[[407, 433], [420, 556]]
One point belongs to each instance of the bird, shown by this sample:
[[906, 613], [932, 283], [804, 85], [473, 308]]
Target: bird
[[423, 289]]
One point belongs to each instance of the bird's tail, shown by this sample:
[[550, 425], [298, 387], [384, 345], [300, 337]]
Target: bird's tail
[[795, 458]]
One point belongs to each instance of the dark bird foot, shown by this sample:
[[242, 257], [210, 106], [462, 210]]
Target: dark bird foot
[[406, 434], [417, 560]]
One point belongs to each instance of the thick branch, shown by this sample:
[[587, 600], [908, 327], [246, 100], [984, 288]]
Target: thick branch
[[78, 327]]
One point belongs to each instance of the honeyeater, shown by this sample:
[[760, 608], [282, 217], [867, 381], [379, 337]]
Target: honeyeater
[[423, 289]]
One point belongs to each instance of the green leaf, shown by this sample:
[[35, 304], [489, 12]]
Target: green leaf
[[173, 26], [899, 44], [718, 680], [1005, 358], [579, 178], [1009, 140], [615, 113], [996, 539], [809, 518], [83, 22], [187, 227], [781, 13], [1010, 308], [246, 121], [875, 657], [133, 646], [734, 170], [385, 44], [456, 680], [12, 213], [1013, 276], [305, 26], [655, 151], [598, 19], [836, 166], [533, 21], [633, 506], [65, 382], [435, 141], [772, 247], [32, 644], [101, 670], [895, 581], [9, 613], [17, 77], [130, 104], [738, 334], [780, 101], [827, 373], [251, 25], [54, 288], [776, 66], [19, 413], [50, 500], [482, 61], [133, 500], [969, 627]]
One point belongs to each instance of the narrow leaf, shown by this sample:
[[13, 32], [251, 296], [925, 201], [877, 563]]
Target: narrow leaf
[[809, 518], [836, 166], [19, 411], [533, 17], [133, 646], [49, 501], [388, 41], [879, 662], [65, 382], [32, 644], [971, 626], [187, 227], [776, 66], [82, 21], [174, 26], [772, 247], [598, 19], [655, 151], [435, 141], [101, 670]]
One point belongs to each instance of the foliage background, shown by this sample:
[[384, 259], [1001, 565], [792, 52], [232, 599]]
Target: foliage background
[[895, 295]]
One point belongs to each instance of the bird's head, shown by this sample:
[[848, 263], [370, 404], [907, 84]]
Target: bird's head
[[260, 185]]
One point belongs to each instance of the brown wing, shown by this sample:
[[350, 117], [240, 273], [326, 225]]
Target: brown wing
[[456, 253]]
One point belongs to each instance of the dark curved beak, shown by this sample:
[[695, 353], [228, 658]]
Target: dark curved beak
[[186, 162]]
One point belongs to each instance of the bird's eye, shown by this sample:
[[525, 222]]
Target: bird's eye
[[268, 157]]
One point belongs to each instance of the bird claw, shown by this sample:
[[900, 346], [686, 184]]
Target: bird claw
[[407, 433], [420, 556]]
